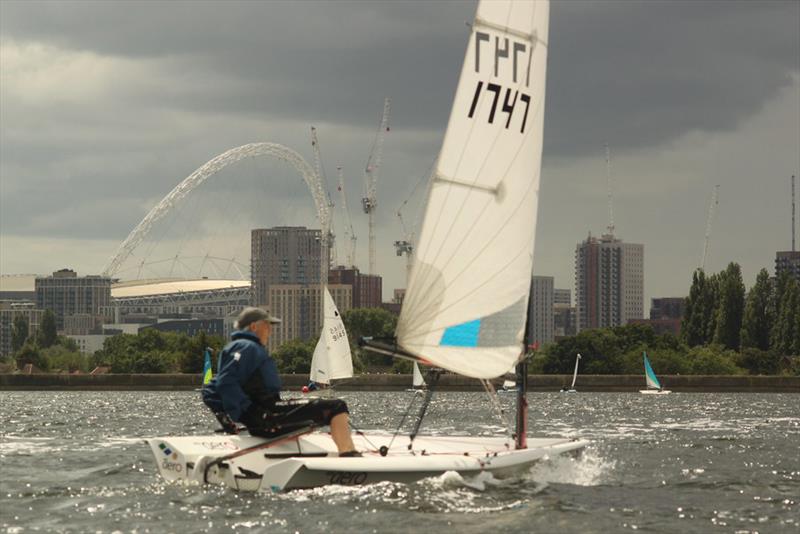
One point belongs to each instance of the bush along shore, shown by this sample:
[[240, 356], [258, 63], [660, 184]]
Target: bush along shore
[[400, 382]]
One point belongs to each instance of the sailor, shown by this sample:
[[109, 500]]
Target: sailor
[[247, 388]]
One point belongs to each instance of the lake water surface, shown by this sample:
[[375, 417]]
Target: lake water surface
[[75, 462]]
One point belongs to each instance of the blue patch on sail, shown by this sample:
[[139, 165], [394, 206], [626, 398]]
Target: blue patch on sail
[[462, 335]]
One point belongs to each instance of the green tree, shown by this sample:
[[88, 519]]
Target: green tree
[[760, 362], [696, 326], [712, 360], [193, 349], [690, 323], [294, 356], [155, 361], [31, 353], [784, 332], [730, 307], [711, 308], [19, 332], [369, 322], [63, 358], [758, 314], [47, 334]]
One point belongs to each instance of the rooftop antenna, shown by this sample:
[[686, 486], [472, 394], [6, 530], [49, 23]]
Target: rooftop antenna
[[711, 207], [793, 225], [610, 226]]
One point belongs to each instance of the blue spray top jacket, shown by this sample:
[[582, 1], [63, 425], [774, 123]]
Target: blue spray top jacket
[[246, 374]]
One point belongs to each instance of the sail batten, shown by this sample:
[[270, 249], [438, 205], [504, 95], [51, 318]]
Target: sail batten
[[469, 284]]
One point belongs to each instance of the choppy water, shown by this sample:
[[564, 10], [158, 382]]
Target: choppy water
[[74, 462]]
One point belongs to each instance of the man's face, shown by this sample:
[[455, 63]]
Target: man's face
[[262, 329]]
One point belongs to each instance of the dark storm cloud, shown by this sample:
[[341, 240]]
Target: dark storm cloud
[[635, 74], [638, 74]]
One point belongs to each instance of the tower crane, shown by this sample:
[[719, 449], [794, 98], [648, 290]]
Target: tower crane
[[349, 233], [370, 200], [324, 191], [405, 246], [711, 208]]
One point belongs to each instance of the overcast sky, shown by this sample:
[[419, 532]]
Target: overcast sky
[[106, 106]]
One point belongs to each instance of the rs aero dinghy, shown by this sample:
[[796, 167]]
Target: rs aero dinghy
[[467, 296]]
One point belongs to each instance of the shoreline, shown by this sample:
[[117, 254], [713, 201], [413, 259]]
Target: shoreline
[[397, 382]]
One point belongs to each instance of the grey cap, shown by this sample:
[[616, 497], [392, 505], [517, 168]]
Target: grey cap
[[250, 315]]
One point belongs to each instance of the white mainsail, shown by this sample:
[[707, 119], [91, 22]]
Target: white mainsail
[[575, 374], [332, 359], [417, 381], [467, 296]]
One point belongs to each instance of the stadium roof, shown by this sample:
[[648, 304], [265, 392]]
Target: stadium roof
[[162, 287]]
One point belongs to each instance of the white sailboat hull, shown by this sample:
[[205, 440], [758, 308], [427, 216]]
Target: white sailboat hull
[[655, 391], [311, 460]]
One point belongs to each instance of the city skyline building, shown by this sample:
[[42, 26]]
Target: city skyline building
[[10, 310], [609, 282], [298, 305], [563, 314], [65, 293], [788, 260], [367, 288], [283, 255], [540, 310]]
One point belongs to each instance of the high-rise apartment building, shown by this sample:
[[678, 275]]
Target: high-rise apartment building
[[540, 310], [788, 260], [609, 282], [10, 310], [367, 288], [283, 255], [298, 307], [563, 314], [66, 293], [667, 308]]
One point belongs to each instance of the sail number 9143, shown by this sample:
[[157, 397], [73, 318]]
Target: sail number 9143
[[512, 100]]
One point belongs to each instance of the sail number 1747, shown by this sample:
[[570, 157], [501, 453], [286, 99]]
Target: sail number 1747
[[512, 100]]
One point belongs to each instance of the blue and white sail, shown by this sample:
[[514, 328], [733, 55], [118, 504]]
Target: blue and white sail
[[649, 375], [467, 297]]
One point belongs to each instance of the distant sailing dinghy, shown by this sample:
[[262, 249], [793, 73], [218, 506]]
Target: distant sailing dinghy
[[332, 359], [417, 381], [466, 304], [653, 385], [574, 377]]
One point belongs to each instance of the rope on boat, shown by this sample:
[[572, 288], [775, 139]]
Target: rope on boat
[[498, 409]]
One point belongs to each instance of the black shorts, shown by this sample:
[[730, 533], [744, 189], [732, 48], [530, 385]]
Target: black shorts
[[284, 416]]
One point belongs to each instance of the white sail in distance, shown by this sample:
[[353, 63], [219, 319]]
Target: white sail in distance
[[468, 290], [332, 359], [417, 381]]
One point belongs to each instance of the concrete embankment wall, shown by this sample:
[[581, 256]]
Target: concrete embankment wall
[[378, 382]]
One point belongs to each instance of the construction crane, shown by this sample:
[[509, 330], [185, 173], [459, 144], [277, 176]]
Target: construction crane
[[711, 209], [322, 186], [405, 246], [349, 233], [370, 200]]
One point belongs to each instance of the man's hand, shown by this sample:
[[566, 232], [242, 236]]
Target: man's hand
[[228, 426]]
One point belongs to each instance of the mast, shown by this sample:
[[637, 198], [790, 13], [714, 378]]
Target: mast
[[521, 434]]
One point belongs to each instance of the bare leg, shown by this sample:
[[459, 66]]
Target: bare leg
[[340, 432]]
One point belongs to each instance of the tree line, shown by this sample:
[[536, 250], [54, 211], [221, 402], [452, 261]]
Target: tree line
[[153, 351], [725, 330]]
